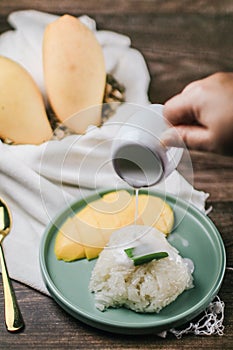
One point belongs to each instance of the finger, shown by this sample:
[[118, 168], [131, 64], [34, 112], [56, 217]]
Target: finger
[[179, 110], [171, 138], [194, 137]]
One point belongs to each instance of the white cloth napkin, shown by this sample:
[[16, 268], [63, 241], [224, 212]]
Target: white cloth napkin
[[37, 182]]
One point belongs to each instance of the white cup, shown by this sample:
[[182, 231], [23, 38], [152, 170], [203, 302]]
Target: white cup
[[138, 155]]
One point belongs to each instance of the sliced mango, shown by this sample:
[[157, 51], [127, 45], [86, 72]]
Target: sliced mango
[[152, 211], [89, 232], [113, 211], [155, 212], [119, 198], [92, 227], [65, 248]]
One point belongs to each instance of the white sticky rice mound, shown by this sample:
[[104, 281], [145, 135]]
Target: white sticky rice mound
[[149, 287]]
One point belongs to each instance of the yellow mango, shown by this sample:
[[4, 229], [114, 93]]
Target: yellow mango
[[23, 117], [65, 248], [120, 198], [153, 211], [95, 223], [74, 72], [89, 233], [115, 210]]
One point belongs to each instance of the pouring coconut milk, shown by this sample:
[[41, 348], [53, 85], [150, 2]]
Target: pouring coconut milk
[[138, 155]]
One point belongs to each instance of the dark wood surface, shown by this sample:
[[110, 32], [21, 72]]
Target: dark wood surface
[[181, 41]]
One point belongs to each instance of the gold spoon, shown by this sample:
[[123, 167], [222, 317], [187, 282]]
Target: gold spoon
[[13, 318]]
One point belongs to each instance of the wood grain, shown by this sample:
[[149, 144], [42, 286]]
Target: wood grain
[[210, 7], [181, 41]]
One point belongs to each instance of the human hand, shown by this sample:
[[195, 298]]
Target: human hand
[[202, 114]]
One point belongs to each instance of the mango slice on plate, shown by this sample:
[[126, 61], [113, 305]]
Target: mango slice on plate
[[89, 233], [113, 211], [65, 248], [74, 72], [23, 118], [152, 210], [93, 225], [155, 212]]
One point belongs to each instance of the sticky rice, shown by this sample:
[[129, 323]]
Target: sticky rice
[[149, 287]]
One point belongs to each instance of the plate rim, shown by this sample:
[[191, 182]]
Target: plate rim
[[101, 323]]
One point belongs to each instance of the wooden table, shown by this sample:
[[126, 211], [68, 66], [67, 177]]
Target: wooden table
[[181, 41]]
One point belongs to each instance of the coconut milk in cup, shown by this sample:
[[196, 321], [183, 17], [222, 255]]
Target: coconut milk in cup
[[138, 156]]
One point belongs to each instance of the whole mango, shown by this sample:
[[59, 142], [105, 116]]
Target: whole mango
[[23, 116], [74, 72]]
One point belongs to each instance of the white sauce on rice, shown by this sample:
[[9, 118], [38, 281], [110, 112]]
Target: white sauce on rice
[[149, 287]]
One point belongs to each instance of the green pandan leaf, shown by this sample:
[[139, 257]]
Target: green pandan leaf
[[142, 259], [129, 252]]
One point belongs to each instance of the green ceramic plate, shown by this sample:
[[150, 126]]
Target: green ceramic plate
[[195, 237]]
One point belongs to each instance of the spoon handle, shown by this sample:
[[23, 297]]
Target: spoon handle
[[13, 318]]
